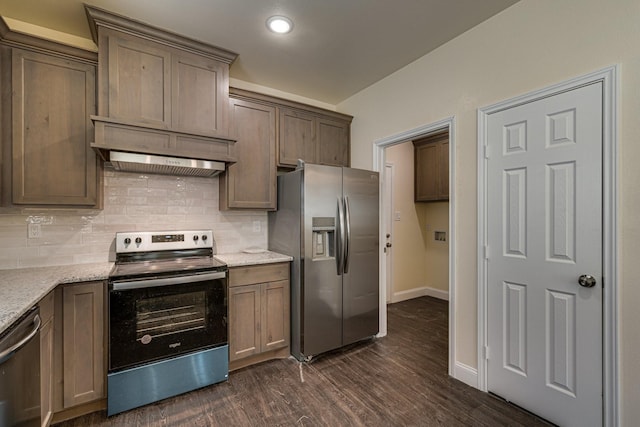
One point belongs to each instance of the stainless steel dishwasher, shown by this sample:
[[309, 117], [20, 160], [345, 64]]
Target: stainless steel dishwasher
[[20, 372]]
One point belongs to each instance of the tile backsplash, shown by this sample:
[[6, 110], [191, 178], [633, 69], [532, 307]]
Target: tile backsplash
[[132, 202]]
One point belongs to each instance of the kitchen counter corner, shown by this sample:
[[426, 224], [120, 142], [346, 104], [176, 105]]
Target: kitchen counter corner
[[21, 289]]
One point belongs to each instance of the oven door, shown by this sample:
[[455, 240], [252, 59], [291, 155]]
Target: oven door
[[161, 317]]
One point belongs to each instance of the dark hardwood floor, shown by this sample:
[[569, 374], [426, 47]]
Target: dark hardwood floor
[[398, 380]]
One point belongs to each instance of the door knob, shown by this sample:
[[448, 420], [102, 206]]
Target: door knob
[[388, 245], [587, 281]]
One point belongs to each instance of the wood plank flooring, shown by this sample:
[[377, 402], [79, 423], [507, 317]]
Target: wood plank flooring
[[398, 380]]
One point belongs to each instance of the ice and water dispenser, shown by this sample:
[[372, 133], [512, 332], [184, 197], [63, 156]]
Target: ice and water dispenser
[[323, 235]]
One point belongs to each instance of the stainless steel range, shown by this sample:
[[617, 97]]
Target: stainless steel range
[[167, 317]]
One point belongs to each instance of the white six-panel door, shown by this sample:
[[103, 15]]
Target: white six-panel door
[[544, 228]]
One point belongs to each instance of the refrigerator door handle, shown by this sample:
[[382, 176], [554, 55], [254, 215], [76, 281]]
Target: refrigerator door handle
[[347, 240], [340, 239]]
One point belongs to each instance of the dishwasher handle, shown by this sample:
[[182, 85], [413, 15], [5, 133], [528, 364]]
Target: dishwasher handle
[[8, 353]]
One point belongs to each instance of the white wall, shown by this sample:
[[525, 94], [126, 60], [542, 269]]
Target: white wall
[[132, 202], [434, 216], [533, 44]]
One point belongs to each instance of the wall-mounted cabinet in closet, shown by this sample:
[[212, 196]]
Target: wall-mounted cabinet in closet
[[431, 157]]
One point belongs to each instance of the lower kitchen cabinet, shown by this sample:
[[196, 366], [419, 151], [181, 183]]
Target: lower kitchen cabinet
[[79, 349], [259, 325], [46, 359]]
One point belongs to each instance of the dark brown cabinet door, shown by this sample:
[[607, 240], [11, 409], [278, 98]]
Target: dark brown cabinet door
[[52, 162], [332, 142], [431, 168], [84, 370], [297, 137], [275, 315], [199, 84], [244, 321], [46, 359], [139, 84], [150, 84], [444, 170], [250, 183]]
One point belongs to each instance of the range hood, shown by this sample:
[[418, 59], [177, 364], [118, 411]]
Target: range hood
[[151, 163], [142, 124]]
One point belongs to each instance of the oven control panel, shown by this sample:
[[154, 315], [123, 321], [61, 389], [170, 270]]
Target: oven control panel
[[146, 241]]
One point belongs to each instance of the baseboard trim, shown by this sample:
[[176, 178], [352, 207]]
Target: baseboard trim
[[466, 374], [419, 292]]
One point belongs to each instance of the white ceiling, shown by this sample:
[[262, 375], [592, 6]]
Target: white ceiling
[[337, 47]]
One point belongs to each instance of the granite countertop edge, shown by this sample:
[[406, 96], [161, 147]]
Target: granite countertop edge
[[23, 288], [240, 259]]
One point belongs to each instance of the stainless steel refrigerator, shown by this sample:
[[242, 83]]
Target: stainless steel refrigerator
[[327, 220]]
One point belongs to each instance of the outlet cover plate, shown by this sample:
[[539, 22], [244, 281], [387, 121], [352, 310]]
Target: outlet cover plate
[[34, 231]]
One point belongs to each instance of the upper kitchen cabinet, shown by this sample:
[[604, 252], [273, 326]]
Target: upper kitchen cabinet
[[313, 135], [304, 132], [333, 142], [48, 95], [431, 171], [160, 92], [250, 183], [297, 137]]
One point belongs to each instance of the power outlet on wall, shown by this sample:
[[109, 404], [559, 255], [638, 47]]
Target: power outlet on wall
[[257, 227], [34, 231]]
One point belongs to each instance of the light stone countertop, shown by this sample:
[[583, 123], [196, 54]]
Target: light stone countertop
[[241, 258], [21, 289]]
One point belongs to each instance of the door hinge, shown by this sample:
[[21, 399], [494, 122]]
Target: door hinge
[[485, 352], [486, 251], [486, 151]]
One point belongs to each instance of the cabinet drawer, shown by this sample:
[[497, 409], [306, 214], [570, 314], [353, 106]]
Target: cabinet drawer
[[248, 275]]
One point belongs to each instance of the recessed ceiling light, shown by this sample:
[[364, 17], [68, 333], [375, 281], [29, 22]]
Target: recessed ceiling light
[[279, 24]]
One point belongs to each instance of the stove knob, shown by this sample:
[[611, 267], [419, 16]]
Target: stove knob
[[204, 237], [195, 238], [138, 240], [127, 241]]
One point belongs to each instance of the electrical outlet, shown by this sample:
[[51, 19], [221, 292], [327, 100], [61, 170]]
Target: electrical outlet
[[396, 216], [34, 231], [257, 227]]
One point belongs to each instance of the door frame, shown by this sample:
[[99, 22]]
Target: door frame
[[388, 219], [610, 345], [379, 160]]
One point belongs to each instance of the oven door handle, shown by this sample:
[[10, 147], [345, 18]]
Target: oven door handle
[[165, 281]]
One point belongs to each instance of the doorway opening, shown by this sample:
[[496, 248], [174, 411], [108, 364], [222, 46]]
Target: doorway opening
[[416, 225]]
